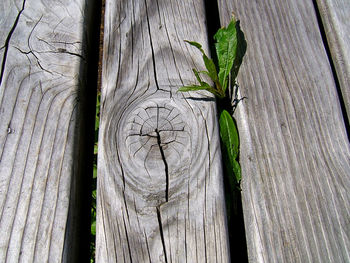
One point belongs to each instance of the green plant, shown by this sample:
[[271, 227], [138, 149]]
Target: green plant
[[93, 204], [230, 48]]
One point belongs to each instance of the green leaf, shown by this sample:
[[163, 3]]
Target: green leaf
[[98, 102], [195, 44], [192, 88], [228, 132], [196, 73], [97, 123], [95, 171], [237, 171], [96, 148], [204, 86], [230, 141], [226, 48], [97, 116], [209, 63], [230, 48], [93, 228]]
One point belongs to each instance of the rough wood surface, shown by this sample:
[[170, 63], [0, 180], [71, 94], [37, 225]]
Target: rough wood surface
[[335, 15], [160, 196], [295, 152], [41, 60]]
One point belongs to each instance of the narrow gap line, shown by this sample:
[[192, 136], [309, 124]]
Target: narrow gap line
[[165, 165], [213, 25], [334, 71], [152, 50], [161, 233], [98, 46], [127, 238], [100, 55]]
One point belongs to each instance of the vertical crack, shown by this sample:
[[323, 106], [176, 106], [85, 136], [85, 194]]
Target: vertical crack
[[7, 41], [127, 240], [161, 233], [165, 165], [152, 51], [150, 40]]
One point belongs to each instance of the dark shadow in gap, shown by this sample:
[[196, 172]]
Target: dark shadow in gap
[[235, 221], [213, 24], [78, 227], [208, 99]]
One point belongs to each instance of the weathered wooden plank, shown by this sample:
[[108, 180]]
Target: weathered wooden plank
[[335, 18], [42, 93], [160, 196], [295, 153]]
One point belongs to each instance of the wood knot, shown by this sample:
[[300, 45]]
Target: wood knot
[[152, 127], [155, 148]]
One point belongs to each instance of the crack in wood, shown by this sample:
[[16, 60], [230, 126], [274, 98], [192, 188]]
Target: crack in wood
[[165, 166], [159, 217], [55, 50], [7, 41], [156, 126], [152, 49], [153, 122], [155, 142], [152, 52]]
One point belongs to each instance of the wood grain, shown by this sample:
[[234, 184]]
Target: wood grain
[[42, 57], [160, 193], [295, 152], [335, 17]]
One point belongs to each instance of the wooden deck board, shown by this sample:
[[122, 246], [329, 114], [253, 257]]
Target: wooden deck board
[[160, 194], [335, 17], [295, 152], [42, 79]]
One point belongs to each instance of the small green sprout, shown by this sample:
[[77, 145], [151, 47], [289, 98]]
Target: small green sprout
[[230, 48]]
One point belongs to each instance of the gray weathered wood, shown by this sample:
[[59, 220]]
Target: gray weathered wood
[[41, 55], [335, 16], [295, 153], [160, 196]]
